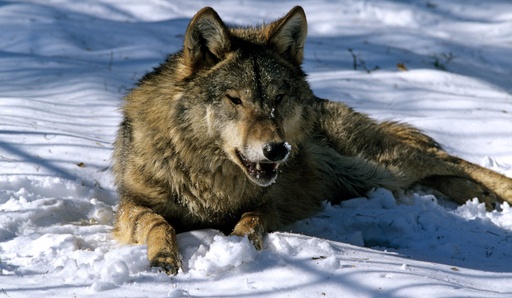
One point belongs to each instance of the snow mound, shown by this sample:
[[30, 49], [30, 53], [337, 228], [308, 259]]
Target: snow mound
[[216, 253]]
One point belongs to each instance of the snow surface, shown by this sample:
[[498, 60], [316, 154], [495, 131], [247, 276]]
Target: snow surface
[[65, 65]]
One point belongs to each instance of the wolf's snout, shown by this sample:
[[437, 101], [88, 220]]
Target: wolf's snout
[[276, 152], [263, 169]]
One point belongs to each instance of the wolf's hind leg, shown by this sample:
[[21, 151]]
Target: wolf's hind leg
[[408, 153], [460, 190], [136, 224], [490, 181]]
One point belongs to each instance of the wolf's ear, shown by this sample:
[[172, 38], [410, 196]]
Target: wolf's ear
[[207, 40], [288, 35]]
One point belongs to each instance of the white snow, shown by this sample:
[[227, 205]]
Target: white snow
[[65, 65]]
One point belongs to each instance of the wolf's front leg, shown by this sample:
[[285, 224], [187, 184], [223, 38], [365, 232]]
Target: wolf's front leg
[[136, 224], [255, 224]]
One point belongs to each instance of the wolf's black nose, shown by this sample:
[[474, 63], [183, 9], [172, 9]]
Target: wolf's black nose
[[276, 151]]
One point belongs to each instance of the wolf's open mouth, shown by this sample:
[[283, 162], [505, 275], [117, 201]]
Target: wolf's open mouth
[[262, 172]]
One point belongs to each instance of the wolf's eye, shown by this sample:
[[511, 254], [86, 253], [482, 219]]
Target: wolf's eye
[[279, 98], [235, 100]]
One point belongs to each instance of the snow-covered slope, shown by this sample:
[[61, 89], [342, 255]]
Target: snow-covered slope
[[65, 65]]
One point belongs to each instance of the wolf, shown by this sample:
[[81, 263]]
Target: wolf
[[227, 134]]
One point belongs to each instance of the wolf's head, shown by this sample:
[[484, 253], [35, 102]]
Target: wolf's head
[[246, 89]]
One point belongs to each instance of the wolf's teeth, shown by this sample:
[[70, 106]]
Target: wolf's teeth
[[258, 166]]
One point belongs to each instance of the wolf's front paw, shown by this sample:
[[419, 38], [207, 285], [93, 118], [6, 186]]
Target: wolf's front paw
[[251, 225], [170, 262]]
